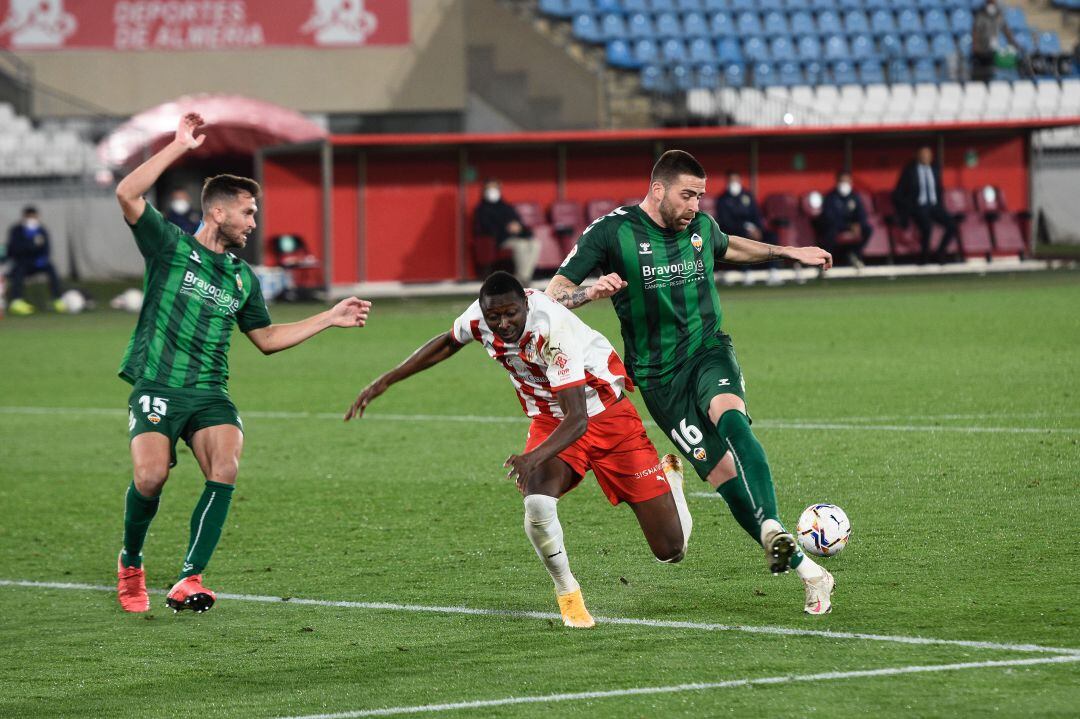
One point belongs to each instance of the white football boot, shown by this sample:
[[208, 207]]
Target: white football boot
[[819, 594]]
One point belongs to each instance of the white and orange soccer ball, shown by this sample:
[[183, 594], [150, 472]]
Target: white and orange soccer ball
[[824, 530]]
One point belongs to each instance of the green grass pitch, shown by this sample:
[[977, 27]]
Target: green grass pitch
[[942, 415]]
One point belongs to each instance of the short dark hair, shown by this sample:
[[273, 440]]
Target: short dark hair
[[501, 283], [231, 186], [29, 210], [841, 173], [674, 163]]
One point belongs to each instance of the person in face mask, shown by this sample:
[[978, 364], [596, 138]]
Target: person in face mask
[[28, 250], [988, 23], [181, 213], [737, 213], [497, 218], [843, 222]]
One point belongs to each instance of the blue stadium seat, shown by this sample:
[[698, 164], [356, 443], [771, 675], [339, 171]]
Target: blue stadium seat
[[612, 27], [748, 23], [915, 46], [683, 77], [802, 23], [729, 50], [685, 6], [814, 73], [668, 25], [862, 47], [721, 25], [790, 74], [765, 6], [924, 71], [809, 48], [646, 52], [836, 48], [843, 73], [899, 72], [672, 51], [652, 78], [735, 74], [555, 8], [855, 21], [755, 49], [640, 26], [620, 54], [738, 6], [898, 5], [782, 49], [891, 46], [775, 24], [632, 6], [586, 28], [708, 76], [695, 25], [909, 21], [580, 7], [701, 50], [871, 72], [942, 46], [658, 6], [820, 5], [1015, 18], [606, 6], [882, 22], [795, 6], [960, 20], [1049, 43], [846, 5], [963, 45], [872, 5], [828, 22], [764, 75], [716, 5], [935, 20]]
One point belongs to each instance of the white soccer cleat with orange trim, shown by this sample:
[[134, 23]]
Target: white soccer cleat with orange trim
[[574, 613], [819, 594]]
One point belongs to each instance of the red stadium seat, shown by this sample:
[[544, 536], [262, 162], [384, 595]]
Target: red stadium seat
[[568, 220], [304, 269], [1004, 226], [878, 246], [903, 240], [598, 208], [551, 252], [974, 232], [782, 214], [530, 213]]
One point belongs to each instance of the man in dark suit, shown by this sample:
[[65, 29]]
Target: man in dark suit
[[495, 217], [918, 197], [737, 213], [842, 211]]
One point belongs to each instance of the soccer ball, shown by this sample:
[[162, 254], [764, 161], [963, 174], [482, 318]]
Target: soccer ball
[[824, 530]]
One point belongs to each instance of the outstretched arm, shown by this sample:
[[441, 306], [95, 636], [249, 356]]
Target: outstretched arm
[[131, 189], [571, 296], [743, 251], [351, 312], [433, 352]]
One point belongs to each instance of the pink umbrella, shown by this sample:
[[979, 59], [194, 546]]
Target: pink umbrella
[[235, 126]]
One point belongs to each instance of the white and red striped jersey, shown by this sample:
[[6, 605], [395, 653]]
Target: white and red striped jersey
[[556, 351]]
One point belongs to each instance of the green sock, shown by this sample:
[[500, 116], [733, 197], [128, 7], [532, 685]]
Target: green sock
[[207, 521], [739, 502], [138, 512], [754, 480]]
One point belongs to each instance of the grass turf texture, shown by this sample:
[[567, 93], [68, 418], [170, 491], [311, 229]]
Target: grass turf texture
[[958, 534]]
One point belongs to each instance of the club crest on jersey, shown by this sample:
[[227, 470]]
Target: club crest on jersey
[[646, 248], [239, 282], [696, 241], [699, 454], [154, 418]]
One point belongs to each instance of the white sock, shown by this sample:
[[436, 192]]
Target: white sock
[[808, 568], [544, 531], [768, 527], [675, 481]]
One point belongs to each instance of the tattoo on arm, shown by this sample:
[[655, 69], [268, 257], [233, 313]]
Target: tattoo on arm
[[570, 296], [774, 253]]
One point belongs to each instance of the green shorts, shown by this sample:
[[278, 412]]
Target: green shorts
[[681, 406], [177, 413]]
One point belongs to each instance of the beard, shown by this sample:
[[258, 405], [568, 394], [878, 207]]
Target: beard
[[671, 216], [232, 236]]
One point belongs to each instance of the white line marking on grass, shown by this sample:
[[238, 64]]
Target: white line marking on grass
[[832, 425], [695, 687], [521, 614]]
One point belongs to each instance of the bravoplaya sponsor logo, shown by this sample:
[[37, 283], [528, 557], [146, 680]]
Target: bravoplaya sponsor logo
[[210, 294], [676, 274]]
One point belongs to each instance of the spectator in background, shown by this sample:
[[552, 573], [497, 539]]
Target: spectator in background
[[28, 251], [988, 23], [497, 218], [919, 196], [181, 213], [842, 211], [737, 213]]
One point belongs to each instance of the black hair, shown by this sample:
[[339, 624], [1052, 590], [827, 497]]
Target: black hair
[[841, 173], [231, 186], [501, 283], [674, 163], [29, 210]]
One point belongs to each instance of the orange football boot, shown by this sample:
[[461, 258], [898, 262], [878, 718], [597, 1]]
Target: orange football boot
[[131, 588], [189, 593]]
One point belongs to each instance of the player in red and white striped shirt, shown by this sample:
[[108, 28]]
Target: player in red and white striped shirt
[[572, 383]]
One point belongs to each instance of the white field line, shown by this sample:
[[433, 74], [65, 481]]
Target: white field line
[[837, 425], [516, 614], [696, 687]]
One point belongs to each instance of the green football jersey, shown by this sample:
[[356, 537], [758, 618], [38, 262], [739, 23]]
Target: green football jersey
[[192, 298], [670, 307]]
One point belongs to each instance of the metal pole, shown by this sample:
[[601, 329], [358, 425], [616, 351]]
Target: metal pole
[[328, 215], [361, 234], [259, 178]]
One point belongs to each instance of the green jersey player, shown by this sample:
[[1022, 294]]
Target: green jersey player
[[656, 261], [195, 291]]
